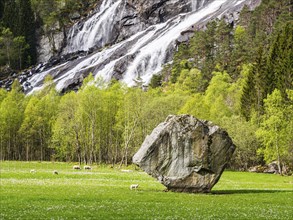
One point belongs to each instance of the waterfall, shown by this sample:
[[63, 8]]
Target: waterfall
[[141, 55], [96, 31], [153, 55], [196, 4]]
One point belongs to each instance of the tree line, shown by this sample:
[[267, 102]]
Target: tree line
[[238, 77], [107, 124]]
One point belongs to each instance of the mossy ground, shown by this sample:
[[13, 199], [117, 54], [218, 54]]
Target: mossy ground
[[103, 193]]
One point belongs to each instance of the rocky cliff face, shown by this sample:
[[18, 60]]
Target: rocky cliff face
[[126, 40], [139, 15], [129, 17], [185, 154]]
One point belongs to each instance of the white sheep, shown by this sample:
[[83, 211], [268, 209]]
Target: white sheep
[[87, 167], [134, 186], [76, 167], [33, 171], [55, 172], [126, 171]]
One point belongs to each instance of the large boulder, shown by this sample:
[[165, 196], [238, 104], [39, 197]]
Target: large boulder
[[186, 154]]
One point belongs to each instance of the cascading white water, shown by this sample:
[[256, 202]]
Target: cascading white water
[[142, 55], [152, 56], [195, 5], [95, 31]]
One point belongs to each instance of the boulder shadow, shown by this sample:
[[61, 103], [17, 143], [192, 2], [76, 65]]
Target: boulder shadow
[[248, 191]]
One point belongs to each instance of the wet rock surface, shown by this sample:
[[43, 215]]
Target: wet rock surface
[[185, 154], [123, 39]]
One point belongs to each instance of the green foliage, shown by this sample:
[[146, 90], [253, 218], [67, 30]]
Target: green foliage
[[104, 193], [243, 136], [18, 18], [279, 61], [20, 46], [251, 60], [10, 18], [275, 130], [219, 100], [241, 53], [253, 90], [178, 67], [224, 74], [3, 94], [56, 13], [36, 129], [223, 42], [27, 28], [191, 81], [11, 117], [6, 39], [65, 137], [156, 81], [13, 49]]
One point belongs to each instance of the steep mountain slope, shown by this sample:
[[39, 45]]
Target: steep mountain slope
[[141, 38]]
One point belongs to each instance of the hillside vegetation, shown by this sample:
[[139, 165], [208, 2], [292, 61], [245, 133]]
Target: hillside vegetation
[[22, 22], [239, 77]]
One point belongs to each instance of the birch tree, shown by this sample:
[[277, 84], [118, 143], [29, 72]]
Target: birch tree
[[275, 130]]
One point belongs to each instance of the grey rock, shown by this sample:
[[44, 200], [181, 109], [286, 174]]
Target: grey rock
[[47, 48], [185, 154], [75, 16], [256, 169], [272, 168], [123, 38]]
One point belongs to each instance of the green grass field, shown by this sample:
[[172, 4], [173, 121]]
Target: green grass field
[[103, 193]]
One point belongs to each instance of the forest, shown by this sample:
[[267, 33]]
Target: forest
[[237, 76], [23, 21]]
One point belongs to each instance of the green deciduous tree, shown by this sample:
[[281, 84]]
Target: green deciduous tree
[[275, 131], [6, 39], [67, 130], [191, 81], [243, 135], [11, 117], [218, 96], [20, 46], [39, 117]]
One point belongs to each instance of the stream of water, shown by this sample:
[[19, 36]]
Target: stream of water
[[143, 54]]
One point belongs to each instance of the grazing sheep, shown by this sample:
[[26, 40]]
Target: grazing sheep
[[76, 167], [33, 171], [134, 186], [126, 171], [87, 167], [55, 172]]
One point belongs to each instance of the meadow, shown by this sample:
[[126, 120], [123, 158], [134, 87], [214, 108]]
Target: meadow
[[103, 193]]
